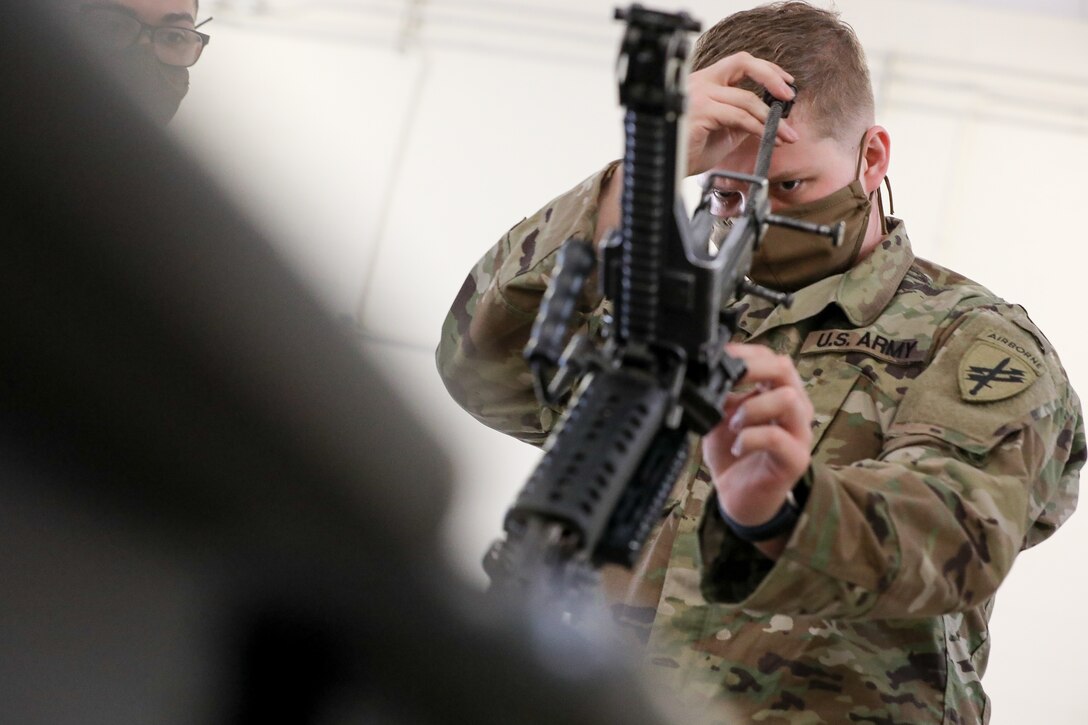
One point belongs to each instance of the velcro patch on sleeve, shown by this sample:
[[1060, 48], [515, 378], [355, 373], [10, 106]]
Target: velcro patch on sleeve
[[997, 367]]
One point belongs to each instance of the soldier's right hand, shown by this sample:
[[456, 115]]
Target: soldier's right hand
[[721, 116]]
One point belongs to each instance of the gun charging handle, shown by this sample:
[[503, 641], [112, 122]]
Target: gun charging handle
[[787, 106], [779, 109]]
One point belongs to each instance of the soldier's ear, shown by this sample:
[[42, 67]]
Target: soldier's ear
[[876, 149]]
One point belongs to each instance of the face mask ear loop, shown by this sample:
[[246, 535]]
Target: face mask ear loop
[[880, 203], [879, 197], [880, 210], [891, 201]]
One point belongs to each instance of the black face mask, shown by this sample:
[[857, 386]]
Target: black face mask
[[158, 88]]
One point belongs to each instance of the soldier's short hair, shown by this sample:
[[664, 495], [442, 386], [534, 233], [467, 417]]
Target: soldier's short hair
[[815, 46]]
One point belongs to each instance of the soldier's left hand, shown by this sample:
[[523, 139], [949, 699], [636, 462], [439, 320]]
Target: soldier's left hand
[[762, 447]]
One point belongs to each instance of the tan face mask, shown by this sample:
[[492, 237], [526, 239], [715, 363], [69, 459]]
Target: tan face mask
[[788, 260]]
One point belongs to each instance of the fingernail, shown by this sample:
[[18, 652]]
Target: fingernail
[[735, 422], [735, 448]]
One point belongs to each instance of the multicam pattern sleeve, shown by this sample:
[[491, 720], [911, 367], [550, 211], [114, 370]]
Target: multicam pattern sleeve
[[479, 356], [980, 459]]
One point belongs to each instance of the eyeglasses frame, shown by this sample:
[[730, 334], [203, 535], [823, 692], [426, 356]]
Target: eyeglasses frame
[[149, 30]]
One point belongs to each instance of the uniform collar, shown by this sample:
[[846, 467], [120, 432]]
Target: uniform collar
[[861, 292]]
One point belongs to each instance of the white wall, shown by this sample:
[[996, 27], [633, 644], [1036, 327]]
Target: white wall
[[386, 149]]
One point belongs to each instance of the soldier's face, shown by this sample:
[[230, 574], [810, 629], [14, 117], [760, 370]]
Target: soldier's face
[[806, 170]]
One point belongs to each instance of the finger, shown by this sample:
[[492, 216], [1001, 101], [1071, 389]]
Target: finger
[[721, 435], [765, 366], [771, 77], [718, 442], [788, 454], [713, 114], [753, 104], [740, 98], [735, 400], [717, 448], [731, 69], [786, 406]]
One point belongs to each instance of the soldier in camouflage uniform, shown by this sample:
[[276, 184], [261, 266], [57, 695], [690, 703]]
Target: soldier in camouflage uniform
[[903, 432]]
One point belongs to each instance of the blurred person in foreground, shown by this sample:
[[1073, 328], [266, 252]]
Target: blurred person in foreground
[[833, 554], [149, 45]]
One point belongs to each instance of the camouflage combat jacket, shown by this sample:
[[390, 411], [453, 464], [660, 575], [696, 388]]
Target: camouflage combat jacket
[[947, 439]]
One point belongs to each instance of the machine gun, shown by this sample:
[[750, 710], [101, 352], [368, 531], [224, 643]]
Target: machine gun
[[662, 374]]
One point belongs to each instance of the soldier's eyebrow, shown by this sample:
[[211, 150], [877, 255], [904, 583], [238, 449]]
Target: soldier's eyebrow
[[177, 18], [791, 175], [166, 19], [114, 6]]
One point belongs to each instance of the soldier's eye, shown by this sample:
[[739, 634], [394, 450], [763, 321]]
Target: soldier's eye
[[789, 185]]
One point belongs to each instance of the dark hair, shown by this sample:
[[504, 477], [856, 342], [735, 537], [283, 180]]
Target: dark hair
[[815, 46]]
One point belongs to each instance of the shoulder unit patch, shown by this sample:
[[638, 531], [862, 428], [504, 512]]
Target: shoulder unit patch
[[996, 367]]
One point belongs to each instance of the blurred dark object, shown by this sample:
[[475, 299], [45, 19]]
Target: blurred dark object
[[212, 509]]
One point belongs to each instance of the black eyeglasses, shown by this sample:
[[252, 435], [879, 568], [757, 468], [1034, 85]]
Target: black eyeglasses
[[116, 30]]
